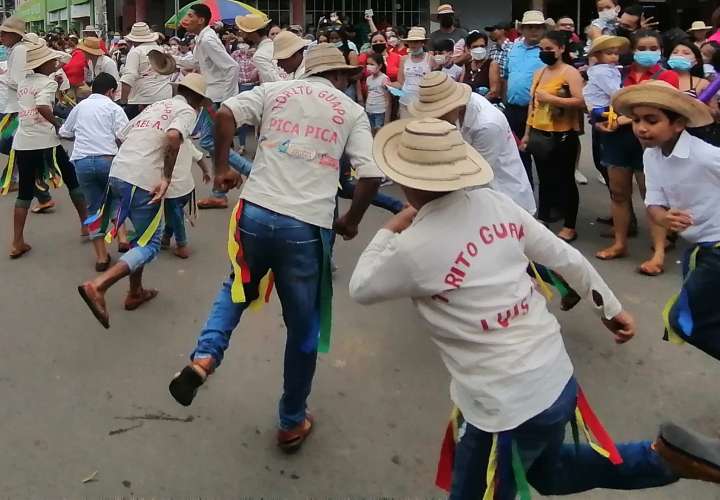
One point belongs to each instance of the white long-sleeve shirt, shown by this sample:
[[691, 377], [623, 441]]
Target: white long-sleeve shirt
[[463, 263], [268, 70], [12, 78], [96, 124], [216, 65], [148, 86]]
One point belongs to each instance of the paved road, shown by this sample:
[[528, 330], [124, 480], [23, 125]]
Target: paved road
[[78, 399]]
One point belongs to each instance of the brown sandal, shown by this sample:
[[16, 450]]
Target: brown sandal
[[291, 440], [132, 302], [16, 254], [96, 303]]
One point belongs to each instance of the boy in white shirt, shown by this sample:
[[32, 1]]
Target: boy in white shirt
[[36, 142], [683, 194], [461, 256]]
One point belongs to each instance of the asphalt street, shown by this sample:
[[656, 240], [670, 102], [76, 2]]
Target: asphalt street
[[78, 402]]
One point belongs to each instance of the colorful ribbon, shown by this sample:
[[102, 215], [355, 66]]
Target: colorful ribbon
[[544, 288], [680, 300], [7, 179], [590, 423]]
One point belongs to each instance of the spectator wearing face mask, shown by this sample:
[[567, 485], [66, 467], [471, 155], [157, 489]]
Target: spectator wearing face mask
[[413, 68], [446, 18], [379, 45], [443, 60], [481, 72], [608, 12]]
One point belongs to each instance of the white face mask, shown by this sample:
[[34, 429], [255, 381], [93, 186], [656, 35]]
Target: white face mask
[[608, 15], [418, 51], [392, 42], [338, 44], [478, 53], [440, 60]]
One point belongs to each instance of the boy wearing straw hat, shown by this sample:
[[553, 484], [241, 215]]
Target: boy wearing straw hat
[[153, 162], [683, 189], [36, 142], [284, 222], [142, 85], [461, 256]]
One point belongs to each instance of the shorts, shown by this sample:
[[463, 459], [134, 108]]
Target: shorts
[[621, 149], [377, 120]]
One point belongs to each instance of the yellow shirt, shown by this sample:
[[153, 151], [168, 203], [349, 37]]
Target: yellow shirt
[[547, 117]]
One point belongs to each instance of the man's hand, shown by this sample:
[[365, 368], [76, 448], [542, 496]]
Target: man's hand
[[227, 180], [159, 191], [677, 220], [402, 220], [622, 326], [648, 22], [605, 127], [206, 178], [345, 228]]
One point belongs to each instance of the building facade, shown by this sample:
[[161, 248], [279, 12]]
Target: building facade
[[44, 15]]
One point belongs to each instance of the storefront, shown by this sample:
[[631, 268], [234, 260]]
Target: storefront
[[33, 11]]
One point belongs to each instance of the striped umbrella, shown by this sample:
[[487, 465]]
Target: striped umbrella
[[222, 10]]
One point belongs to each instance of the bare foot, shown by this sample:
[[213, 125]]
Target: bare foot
[[183, 252], [18, 251], [42, 208], [612, 252], [651, 268]]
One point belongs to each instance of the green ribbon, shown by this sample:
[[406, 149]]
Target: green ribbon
[[326, 291], [523, 488]]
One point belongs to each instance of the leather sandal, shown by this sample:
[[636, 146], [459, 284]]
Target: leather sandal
[[184, 386], [132, 302], [292, 440], [95, 302], [689, 455]]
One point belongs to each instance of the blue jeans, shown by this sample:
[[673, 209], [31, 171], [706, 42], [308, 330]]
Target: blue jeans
[[552, 467], [238, 162], [293, 250], [140, 214], [92, 174], [377, 120], [175, 219]]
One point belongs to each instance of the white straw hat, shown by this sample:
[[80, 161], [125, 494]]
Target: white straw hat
[[252, 22], [438, 95], [445, 8], [605, 42], [38, 54], [287, 43], [14, 24], [416, 34], [659, 94], [141, 33], [195, 82], [699, 26], [162, 63], [533, 17], [326, 57], [430, 155], [91, 45]]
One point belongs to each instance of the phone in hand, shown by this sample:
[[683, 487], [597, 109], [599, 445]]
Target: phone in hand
[[369, 13]]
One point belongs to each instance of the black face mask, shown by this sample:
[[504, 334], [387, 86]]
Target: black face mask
[[379, 48], [623, 32], [548, 58], [447, 21]]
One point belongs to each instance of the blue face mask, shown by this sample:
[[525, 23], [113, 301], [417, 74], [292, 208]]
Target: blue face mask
[[647, 58], [680, 63]]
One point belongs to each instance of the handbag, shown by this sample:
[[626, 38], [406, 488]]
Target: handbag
[[540, 143]]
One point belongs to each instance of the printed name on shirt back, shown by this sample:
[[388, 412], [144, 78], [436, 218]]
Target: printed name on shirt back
[[311, 131], [156, 124], [502, 319], [325, 96]]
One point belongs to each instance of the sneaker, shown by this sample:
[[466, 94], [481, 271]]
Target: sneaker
[[580, 178], [291, 440], [185, 384], [213, 203]]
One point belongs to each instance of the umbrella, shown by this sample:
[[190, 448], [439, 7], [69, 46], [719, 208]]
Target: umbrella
[[222, 10]]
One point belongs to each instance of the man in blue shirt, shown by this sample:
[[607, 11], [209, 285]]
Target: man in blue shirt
[[521, 63]]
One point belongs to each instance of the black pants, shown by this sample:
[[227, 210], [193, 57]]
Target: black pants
[[132, 110], [31, 165], [517, 118], [556, 178], [597, 157]]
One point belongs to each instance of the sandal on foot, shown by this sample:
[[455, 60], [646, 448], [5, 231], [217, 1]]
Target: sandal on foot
[[132, 302], [17, 253], [568, 240], [96, 304], [646, 271], [689, 455], [43, 208], [101, 267], [123, 247], [607, 255], [185, 384], [291, 440]]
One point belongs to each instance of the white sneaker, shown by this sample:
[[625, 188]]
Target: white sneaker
[[601, 179], [580, 178]]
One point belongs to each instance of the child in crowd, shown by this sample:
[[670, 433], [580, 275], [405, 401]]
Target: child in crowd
[[378, 104], [608, 12], [443, 60], [461, 256], [682, 174], [604, 78], [413, 67]]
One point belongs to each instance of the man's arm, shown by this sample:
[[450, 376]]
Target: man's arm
[[218, 56], [173, 141], [267, 70], [68, 128], [130, 74]]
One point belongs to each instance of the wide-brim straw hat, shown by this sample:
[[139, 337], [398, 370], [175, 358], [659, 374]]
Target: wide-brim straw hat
[[532, 17], [439, 94], [416, 34], [162, 63], [286, 44], [38, 54], [325, 57], [430, 155], [659, 94], [699, 26], [91, 45], [14, 24], [445, 8], [195, 82], [141, 33], [605, 42], [252, 22]]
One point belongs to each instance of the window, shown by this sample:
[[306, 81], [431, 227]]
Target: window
[[277, 10], [386, 12]]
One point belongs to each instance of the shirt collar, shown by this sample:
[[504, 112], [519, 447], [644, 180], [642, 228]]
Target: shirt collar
[[682, 147], [204, 31], [98, 97]]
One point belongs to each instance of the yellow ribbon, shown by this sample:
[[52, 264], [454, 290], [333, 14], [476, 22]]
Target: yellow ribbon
[[8, 173], [237, 291], [492, 467]]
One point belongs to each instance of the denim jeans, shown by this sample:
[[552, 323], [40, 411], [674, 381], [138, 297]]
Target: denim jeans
[[242, 132], [377, 120], [175, 219], [140, 214], [552, 467], [204, 129], [293, 250], [92, 174], [347, 190]]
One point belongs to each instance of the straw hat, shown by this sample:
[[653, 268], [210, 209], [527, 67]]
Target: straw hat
[[162, 63], [252, 22], [141, 33], [532, 17], [195, 82], [416, 34], [659, 94], [38, 54], [14, 24], [438, 95], [91, 45], [326, 57], [429, 154], [286, 44], [605, 42], [445, 8], [699, 26]]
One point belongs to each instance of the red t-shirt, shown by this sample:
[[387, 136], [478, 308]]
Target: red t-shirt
[[400, 52], [392, 64], [638, 74], [75, 68]]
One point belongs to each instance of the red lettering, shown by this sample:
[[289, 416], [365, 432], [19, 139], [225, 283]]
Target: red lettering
[[504, 322], [501, 235], [472, 249], [457, 271], [521, 232], [524, 305], [462, 260], [440, 298], [485, 235], [452, 280], [484, 325], [513, 230]]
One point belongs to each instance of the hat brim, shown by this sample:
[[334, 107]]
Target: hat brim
[[162, 63], [460, 97], [332, 67], [94, 52], [290, 51], [143, 39], [246, 29], [415, 39], [30, 65], [616, 43], [12, 30], [533, 23], [706, 28], [668, 98], [180, 84], [438, 178]]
